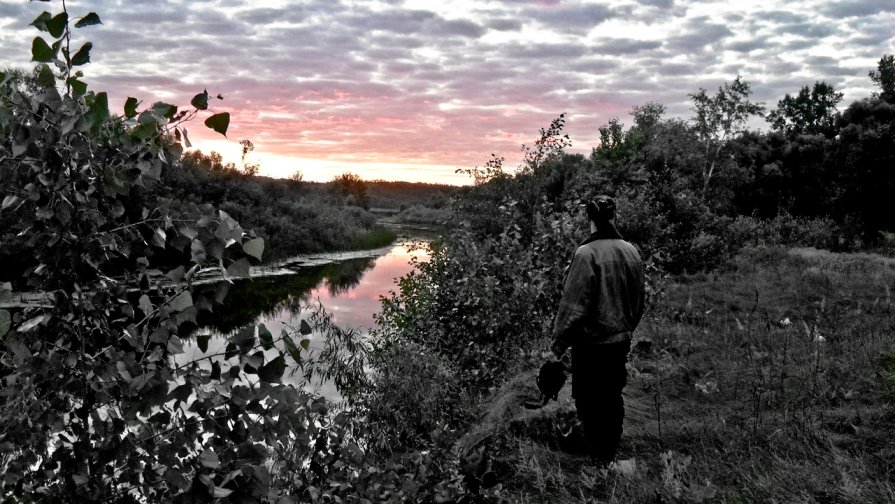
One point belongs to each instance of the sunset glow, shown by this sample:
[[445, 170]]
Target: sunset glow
[[414, 90]]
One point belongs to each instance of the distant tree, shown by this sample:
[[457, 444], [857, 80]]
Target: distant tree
[[611, 135], [720, 117], [812, 111], [884, 77], [297, 176], [250, 169], [351, 189]]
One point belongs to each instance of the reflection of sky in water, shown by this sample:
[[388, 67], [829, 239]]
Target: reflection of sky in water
[[351, 307], [354, 307]]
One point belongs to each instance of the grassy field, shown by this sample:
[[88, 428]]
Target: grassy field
[[772, 381]]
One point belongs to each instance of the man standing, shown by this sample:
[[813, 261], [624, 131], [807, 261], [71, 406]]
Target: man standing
[[602, 303]]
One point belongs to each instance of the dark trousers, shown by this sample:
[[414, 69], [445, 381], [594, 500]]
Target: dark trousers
[[598, 377]]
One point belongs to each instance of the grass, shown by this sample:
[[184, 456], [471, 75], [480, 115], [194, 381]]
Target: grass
[[376, 237], [773, 381]]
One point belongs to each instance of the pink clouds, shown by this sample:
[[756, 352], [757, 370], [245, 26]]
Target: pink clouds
[[373, 82]]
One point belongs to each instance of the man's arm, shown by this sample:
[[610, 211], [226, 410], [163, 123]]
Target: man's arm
[[575, 304]]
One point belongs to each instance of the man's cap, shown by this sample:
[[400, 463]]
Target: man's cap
[[601, 209]]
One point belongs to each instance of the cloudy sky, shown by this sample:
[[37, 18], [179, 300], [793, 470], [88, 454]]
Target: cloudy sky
[[414, 89]]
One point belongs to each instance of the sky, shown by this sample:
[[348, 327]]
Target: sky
[[416, 89]]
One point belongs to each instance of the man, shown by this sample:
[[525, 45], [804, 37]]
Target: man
[[602, 303]]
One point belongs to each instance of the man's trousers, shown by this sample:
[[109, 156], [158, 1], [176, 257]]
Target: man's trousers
[[598, 377]]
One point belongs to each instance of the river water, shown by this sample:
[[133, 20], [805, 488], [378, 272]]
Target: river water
[[348, 286]]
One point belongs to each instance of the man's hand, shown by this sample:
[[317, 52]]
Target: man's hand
[[558, 349]]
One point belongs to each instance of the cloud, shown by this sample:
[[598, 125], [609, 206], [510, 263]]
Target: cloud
[[450, 82], [857, 8]]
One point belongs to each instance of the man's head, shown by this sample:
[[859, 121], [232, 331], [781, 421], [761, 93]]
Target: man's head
[[601, 210]]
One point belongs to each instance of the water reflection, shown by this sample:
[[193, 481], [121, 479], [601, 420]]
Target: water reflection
[[349, 290]]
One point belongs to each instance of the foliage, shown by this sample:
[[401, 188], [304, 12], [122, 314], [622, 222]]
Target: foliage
[[811, 112], [350, 189], [720, 117], [884, 78], [102, 402]]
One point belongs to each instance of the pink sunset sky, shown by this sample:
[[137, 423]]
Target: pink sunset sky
[[413, 90]]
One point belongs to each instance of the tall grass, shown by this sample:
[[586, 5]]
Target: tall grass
[[770, 382]]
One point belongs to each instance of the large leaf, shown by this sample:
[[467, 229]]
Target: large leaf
[[219, 122], [254, 247], [239, 269], [99, 110], [82, 57], [164, 109], [88, 20], [130, 107], [272, 372], [56, 24], [41, 51], [200, 101], [40, 22], [45, 77], [209, 459], [265, 337]]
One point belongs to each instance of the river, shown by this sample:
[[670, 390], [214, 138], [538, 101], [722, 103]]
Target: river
[[347, 285]]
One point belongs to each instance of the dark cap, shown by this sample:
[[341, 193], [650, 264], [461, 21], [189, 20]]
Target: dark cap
[[601, 209]]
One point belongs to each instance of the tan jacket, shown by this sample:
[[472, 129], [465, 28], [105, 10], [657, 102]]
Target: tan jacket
[[604, 292]]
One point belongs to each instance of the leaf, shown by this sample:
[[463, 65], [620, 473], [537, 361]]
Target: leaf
[[183, 301], [239, 269], [5, 322], [159, 237], [209, 459], [99, 110], [56, 24], [254, 247], [305, 343], [292, 349], [176, 480], [130, 107], [265, 337], [31, 324], [40, 22], [186, 139], [145, 305], [176, 274], [88, 20], [82, 57], [79, 87], [215, 370], [175, 345], [304, 328], [272, 372], [202, 342], [40, 51], [218, 122], [10, 200], [200, 101], [45, 77], [219, 492], [164, 109]]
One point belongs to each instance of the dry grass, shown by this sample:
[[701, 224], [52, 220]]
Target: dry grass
[[770, 382]]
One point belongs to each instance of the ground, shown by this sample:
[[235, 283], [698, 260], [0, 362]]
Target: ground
[[770, 381]]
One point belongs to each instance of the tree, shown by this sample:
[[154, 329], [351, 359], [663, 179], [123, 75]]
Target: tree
[[297, 176], [720, 117], [884, 78], [812, 111], [351, 189], [250, 169]]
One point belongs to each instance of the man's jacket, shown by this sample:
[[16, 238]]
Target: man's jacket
[[604, 293]]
